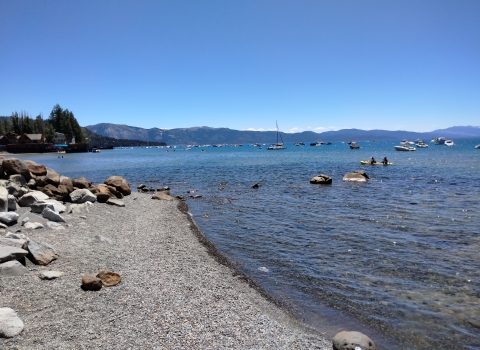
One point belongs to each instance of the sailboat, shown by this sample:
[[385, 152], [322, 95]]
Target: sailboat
[[278, 145]]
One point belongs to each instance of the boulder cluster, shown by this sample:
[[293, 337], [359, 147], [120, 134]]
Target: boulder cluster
[[356, 176], [47, 195]]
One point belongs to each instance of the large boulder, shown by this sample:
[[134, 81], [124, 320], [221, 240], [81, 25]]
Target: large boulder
[[8, 253], [18, 179], [82, 195], [3, 199], [352, 341], [81, 182], [12, 242], [67, 182], [103, 193], [12, 203], [9, 218], [41, 253], [357, 176], [10, 324], [52, 215], [37, 170], [53, 179], [48, 203], [32, 197], [59, 192], [321, 179], [13, 166], [162, 196], [120, 183], [12, 268]]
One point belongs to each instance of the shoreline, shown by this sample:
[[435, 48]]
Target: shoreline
[[177, 290]]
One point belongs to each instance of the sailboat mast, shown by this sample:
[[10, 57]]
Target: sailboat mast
[[276, 122]]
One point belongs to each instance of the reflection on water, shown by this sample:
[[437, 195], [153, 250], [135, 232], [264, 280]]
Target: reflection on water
[[399, 253]]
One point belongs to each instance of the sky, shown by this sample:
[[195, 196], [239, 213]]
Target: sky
[[309, 64]]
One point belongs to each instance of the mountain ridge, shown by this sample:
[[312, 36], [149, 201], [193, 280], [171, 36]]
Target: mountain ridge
[[208, 135]]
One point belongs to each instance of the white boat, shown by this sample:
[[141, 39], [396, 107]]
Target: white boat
[[477, 146], [439, 140], [405, 148], [354, 145], [278, 145], [421, 144], [448, 143]]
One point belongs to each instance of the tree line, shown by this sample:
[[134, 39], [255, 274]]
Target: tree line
[[59, 120]]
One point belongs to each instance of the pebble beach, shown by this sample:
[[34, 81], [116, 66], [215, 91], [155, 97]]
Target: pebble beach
[[176, 291]]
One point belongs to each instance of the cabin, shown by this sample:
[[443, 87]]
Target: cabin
[[60, 139], [32, 138], [9, 138]]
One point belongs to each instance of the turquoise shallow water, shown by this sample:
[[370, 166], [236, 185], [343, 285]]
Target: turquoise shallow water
[[397, 257]]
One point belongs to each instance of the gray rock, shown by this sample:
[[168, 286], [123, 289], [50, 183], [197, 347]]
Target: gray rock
[[12, 268], [361, 172], [19, 179], [11, 253], [352, 341], [10, 324], [9, 218], [32, 183], [82, 195], [33, 225], [2, 225], [50, 275], [356, 177], [32, 197], [12, 203], [13, 235], [3, 199], [52, 215], [116, 202], [32, 218], [82, 208], [12, 242], [53, 204], [55, 226], [41, 253], [321, 179]]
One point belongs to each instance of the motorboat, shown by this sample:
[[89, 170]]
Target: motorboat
[[477, 146], [299, 144], [354, 145], [439, 140], [421, 144], [316, 144], [406, 142], [405, 148], [448, 143]]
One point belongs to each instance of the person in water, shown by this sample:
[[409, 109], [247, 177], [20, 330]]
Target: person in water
[[385, 161], [372, 161]]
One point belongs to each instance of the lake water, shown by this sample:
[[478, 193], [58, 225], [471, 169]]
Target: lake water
[[396, 258]]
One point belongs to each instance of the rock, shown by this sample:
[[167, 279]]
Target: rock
[[32, 183], [18, 179], [52, 204], [33, 225], [13, 268], [51, 215], [164, 188], [197, 196], [12, 242], [82, 195], [11, 253], [116, 202], [355, 177], [352, 341], [13, 166], [17, 236], [32, 197], [361, 172], [53, 179], [50, 275], [55, 226], [103, 193], [3, 199], [41, 181], [120, 184], [91, 282], [255, 186], [41, 253], [81, 208], [37, 169], [102, 239], [114, 191], [162, 196], [321, 179], [10, 324], [2, 225], [182, 198], [81, 182], [32, 218], [67, 182], [9, 218], [109, 278], [12, 203], [141, 186]]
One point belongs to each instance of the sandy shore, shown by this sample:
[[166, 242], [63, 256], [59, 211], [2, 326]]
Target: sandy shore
[[175, 294]]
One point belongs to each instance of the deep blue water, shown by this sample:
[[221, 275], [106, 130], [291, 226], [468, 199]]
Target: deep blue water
[[397, 257]]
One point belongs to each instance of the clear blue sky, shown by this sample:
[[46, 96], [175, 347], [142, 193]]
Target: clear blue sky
[[411, 65]]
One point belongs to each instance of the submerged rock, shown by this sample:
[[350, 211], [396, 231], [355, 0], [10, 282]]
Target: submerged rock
[[162, 196], [321, 179]]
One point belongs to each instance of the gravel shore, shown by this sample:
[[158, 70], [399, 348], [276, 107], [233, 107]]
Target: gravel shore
[[176, 293]]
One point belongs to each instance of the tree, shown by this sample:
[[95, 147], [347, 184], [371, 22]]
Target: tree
[[64, 121]]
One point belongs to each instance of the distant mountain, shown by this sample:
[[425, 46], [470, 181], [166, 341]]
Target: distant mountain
[[207, 135]]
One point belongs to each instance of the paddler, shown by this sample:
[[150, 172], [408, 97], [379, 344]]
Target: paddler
[[372, 161], [385, 161]]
